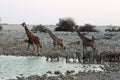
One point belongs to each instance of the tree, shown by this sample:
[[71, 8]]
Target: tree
[[40, 28], [87, 28], [65, 24]]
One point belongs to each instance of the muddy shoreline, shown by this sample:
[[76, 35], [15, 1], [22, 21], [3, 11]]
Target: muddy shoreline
[[114, 75]]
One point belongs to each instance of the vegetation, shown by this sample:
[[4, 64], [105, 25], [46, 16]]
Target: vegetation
[[1, 27], [113, 29], [39, 28], [65, 24], [87, 28]]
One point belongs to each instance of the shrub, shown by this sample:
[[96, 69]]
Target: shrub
[[65, 24], [113, 29], [39, 28], [87, 28]]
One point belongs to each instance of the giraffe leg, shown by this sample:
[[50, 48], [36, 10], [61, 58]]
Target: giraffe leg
[[84, 54], [27, 48], [62, 51], [39, 50], [33, 48], [56, 48]]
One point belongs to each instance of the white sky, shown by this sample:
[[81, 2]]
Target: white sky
[[97, 12]]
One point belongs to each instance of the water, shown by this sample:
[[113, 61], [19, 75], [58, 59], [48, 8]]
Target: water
[[11, 66]]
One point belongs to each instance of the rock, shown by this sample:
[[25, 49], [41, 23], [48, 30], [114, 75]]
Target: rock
[[20, 78], [70, 72], [44, 75], [57, 72], [52, 78], [61, 76], [49, 72], [33, 77], [72, 78]]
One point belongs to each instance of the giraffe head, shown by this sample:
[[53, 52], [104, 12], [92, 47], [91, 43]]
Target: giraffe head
[[47, 30], [23, 24]]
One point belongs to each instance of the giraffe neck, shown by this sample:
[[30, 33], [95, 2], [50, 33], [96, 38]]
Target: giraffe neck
[[83, 38], [52, 35], [27, 31]]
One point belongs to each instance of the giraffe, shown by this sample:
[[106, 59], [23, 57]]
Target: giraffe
[[56, 41], [86, 43], [32, 39]]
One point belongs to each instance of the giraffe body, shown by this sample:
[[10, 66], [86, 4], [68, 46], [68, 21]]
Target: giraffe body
[[32, 39], [56, 41], [86, 43]]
